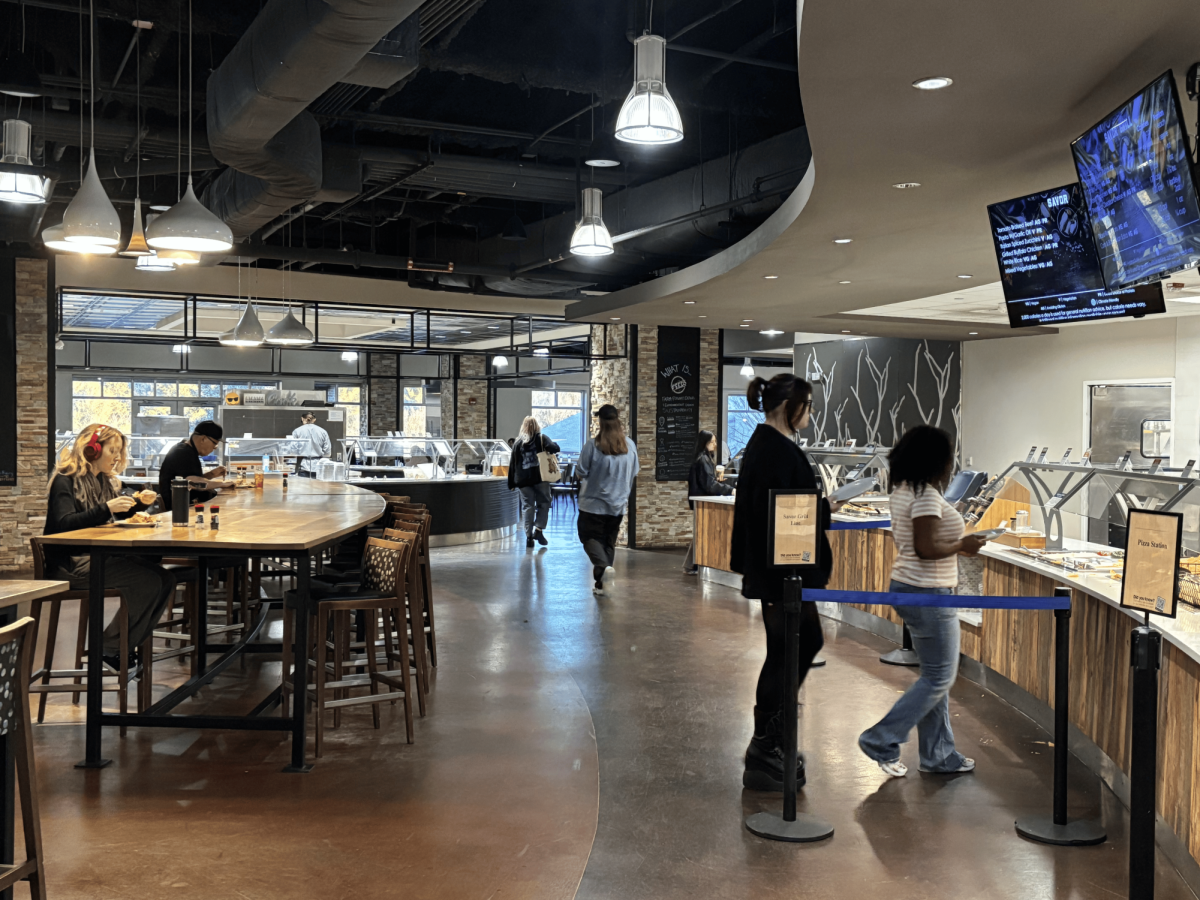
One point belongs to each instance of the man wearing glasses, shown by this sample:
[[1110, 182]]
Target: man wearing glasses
[[183, 461]]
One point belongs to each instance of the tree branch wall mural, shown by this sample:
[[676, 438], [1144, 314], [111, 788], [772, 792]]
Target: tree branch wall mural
[[892, 376]]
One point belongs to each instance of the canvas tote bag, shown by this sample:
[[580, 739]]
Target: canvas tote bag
[[548, 464]]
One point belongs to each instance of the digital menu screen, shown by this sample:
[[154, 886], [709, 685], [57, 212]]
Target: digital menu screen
[[1137, 182], [1048, 265]]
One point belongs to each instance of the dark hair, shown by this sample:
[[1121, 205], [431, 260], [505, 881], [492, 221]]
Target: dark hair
[[209, 429], [611, 439], [920, 458], [702, 440], [786, 388]]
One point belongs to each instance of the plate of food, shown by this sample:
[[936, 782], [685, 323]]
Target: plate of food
[[138, 520]]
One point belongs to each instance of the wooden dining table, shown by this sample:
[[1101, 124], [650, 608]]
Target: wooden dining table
[[296, 524]]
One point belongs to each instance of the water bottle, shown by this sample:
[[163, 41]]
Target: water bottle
[[180, 498]]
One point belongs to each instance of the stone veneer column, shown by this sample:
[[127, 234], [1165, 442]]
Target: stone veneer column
[[23, 508], [472, 397], [382, 394], [610, 384]]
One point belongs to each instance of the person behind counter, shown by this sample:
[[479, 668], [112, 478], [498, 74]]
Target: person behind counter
[[525, 474], [607, 466], [183, 461], [310, 431], [703, 481], [928, 533], [84, 493], [773, 461]]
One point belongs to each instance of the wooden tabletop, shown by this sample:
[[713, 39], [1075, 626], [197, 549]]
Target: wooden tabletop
[[14, 592], [266, 520]]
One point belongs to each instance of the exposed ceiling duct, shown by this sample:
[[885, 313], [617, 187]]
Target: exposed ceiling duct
[[257, 98]]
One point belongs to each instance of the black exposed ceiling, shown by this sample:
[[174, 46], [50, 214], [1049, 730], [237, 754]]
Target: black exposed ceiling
[[451, 151]]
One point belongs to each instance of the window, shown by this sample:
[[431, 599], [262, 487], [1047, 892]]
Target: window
[[740, 422], [117, 401], [166, 389], [189, 390], [348, 397], [416, 422], [198, 413], [101, 402], [560, 414]]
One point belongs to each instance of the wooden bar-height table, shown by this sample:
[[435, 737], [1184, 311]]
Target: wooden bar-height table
[[256, 522]]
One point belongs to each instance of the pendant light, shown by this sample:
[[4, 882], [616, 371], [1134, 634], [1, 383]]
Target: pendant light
[[137, 246], [90, 217], [514, 230], [152, 262], [189, 225], [649, 115], [747, 370], [54, 239], [290, 331], [248, 332], [500, 362], [18, 73], [591, 237], [20, 187], [180, 257], [602, 154]]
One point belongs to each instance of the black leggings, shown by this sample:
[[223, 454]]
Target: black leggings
[[771, 692]]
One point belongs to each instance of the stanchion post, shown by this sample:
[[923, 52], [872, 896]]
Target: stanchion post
[[1145, 657], [1055, 829], [800, 829], [905, 656]]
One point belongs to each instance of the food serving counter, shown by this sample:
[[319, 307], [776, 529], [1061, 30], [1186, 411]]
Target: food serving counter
[[466, 508], [1074, 539]]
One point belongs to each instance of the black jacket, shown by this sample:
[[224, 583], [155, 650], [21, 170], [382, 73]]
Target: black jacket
[[65, 513], [771, 462], [181, 461], [523, 468], [702, 480]]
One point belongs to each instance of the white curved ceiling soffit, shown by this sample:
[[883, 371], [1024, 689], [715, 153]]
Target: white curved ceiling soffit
[[1029, 77]]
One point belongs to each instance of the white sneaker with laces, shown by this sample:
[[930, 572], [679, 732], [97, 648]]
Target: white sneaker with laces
[[609, 573], [894, 769], [968, 765]]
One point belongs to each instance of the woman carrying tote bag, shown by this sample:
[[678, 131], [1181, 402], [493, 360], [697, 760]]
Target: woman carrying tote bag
[[533, 454]]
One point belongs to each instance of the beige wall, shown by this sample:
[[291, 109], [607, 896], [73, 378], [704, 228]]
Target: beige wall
[[1021, 391]]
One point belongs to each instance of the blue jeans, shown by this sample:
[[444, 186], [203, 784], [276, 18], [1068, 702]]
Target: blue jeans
[[925, 705], [536, 500]]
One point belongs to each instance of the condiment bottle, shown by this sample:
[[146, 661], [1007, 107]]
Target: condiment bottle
[[214, 522], [199, 514]]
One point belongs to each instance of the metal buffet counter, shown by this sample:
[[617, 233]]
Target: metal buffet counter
[[1072, 534], [466, 509]]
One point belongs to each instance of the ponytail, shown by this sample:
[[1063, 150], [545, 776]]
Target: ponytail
[[754, 394], [785, 387]]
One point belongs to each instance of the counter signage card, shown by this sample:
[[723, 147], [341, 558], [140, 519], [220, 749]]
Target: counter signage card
[[1155, 464], [1187, 470], [1066, 457], [1053, 502], [1153, 543], [8, 372], [1032, 451], [1042, 458], [678, 413], [795, 537]]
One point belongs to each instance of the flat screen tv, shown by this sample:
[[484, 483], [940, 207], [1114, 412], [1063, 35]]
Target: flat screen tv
[[1137, 181], [1048, 265]]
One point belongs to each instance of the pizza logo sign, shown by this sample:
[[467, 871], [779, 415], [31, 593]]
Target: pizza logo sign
[[676, 375]]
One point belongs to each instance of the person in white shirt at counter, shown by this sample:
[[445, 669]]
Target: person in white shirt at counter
[[310, 431]]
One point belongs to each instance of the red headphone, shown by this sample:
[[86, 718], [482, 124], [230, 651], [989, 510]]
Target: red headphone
[[93, 448]]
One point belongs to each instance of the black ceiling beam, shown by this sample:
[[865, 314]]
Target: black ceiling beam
[[733, 57], [382, 122], [724, 7]]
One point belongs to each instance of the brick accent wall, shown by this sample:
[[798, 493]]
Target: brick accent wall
[[610, 384], [381, 394], [23, 508], [446, 374], [663, 517], [472, 419]]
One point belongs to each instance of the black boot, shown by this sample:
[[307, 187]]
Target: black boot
[[764, 756]]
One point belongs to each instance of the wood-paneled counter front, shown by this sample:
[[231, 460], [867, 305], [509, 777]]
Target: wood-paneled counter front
[[1019, 645]]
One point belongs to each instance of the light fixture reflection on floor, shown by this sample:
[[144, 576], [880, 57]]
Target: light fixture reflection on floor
[[649, 115], [591, 237], [747, 370]]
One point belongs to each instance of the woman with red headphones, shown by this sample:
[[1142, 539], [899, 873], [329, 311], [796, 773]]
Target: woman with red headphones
[[84, 493]]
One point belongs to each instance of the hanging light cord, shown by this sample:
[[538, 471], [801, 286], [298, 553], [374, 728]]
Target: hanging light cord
[[92, 69], [191, 66], [138, 113]]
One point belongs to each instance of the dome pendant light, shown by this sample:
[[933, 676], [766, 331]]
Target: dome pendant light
[[188, 225], [180, 257], [90, 217], [290, 331], [747, 370], [248, 332], [591, 237], [514, 230], [20, 187], [151, 262], [54, 239], [137, 241], [649, 115]]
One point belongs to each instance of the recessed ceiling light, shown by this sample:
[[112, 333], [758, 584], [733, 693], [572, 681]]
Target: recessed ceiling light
[[689, 302], [771, 332], [904, 185], [701, 317], [743, 325], [615, 318], [972, 332], [490, 327], [845, 331], [158, 207], [842, 240], [770, 277], [747, 320], [933, 83], [964, 276], [843, 282], [464, 331]]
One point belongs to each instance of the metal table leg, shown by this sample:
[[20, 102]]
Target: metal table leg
[[95, 666], [300, 673]]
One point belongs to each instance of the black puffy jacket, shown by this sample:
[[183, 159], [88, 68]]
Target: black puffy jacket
[[523, 468]]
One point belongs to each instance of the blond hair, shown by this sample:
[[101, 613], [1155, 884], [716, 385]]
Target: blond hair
[[529, 429], [72, 463]]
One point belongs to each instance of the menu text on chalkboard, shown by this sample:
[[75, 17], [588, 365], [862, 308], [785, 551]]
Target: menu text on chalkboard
[[677, 420], [8, 372]]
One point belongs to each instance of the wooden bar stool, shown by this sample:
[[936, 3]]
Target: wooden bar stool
[[415, 630], [425, 521], [17, 645]]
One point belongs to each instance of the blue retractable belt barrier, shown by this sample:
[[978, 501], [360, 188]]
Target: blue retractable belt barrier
[[859, 526], [886, 598]]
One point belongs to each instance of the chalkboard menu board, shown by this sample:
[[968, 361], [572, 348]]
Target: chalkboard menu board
[[8, 372], [678, 417]]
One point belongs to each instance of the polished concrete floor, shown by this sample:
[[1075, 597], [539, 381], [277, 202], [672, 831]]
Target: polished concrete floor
[[574, 747]]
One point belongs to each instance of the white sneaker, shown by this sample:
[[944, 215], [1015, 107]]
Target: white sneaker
[[968, 765], [609, 573], [894, 769]]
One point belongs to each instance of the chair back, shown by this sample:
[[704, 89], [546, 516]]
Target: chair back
[[16, 662], [39, 558], [383, 566]]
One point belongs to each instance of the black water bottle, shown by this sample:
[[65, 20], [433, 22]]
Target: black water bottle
[[180, 505]]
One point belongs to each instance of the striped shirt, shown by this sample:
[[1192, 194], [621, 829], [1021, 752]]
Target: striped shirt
[[908, 567]]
